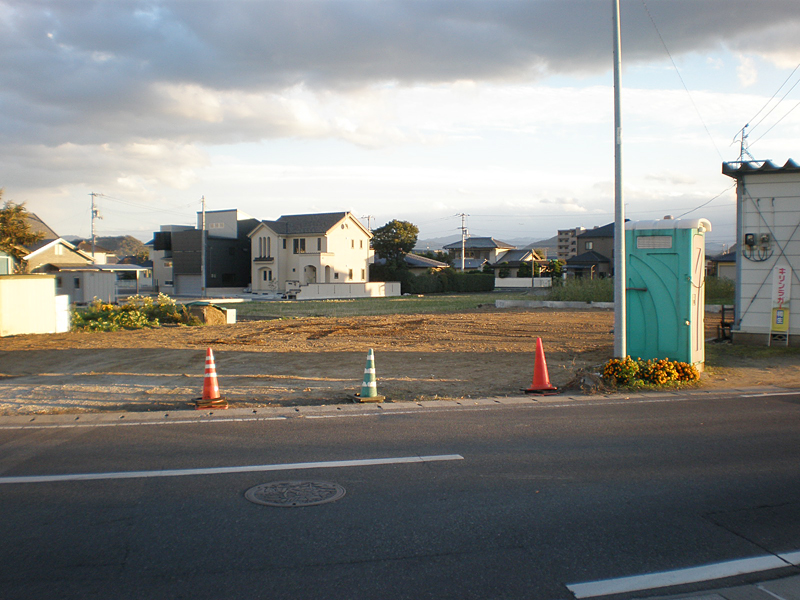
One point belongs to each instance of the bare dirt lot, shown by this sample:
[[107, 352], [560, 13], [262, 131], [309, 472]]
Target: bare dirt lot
[[480, 353]]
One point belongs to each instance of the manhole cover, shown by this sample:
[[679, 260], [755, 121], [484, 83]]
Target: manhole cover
[[294, 493]]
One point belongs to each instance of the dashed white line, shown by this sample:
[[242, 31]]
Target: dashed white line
[[226, 470]]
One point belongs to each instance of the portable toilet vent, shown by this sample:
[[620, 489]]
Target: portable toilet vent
[[665, 291]]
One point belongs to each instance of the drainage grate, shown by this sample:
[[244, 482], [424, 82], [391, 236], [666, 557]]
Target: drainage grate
[[294, 493]]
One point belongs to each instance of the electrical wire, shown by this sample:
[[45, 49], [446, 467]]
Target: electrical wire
[[683, 83], [776, 122], [727, 189], [773, 97]]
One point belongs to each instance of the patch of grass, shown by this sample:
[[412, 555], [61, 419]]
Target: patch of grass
[[363, 307], [584, 290], [720, 354], [720, 290]]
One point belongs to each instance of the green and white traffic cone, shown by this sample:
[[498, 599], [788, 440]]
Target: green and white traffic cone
[[369, 389]]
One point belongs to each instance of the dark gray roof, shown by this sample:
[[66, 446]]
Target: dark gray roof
[[36, 225], [588, 258], [476, 243], [727, 257], [605, 231], [305, 224], [417, 261], [738, 169]]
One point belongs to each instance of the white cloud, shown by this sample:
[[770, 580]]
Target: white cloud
[[747, 71]]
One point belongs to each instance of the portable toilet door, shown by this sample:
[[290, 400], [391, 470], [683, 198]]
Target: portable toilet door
[[665, 290]]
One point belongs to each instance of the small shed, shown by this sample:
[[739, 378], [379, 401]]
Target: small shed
[[29, 304], [768, 251]]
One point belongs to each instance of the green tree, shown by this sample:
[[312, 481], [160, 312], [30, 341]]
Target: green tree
[[524, 269], [394, 240], [15, 232]]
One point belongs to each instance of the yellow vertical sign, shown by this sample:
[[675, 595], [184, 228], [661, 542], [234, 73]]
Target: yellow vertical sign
[[781, 294]]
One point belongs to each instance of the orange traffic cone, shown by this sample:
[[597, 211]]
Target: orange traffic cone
[[541, 380], [211, 397]]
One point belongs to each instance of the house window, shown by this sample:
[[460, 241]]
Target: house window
[[352, 243], [59, 249], [589, 245], [284, 243], [77, 283], [299, 245], [58, 282], [350, 274], [363, 274], [336, 275], [361, 244], [266, 275], [269, 246], [319, 244], [167, 263]]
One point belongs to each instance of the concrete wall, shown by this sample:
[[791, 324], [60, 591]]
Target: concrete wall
[[325, 291], [28, 305]]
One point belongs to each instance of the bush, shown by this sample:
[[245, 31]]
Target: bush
[[433, 282], [655, 371], [138, 312]]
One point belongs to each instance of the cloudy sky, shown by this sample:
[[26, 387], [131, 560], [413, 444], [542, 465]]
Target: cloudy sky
[[415, 109]]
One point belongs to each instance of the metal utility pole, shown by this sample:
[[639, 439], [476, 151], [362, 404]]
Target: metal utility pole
[[95, 215], [620, 276], [369, 222], [203, 248], [463, 237]]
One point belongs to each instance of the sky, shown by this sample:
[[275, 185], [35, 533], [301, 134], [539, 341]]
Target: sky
[[418, 110]]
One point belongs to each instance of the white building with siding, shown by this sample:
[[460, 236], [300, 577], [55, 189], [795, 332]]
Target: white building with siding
[[768, 252]]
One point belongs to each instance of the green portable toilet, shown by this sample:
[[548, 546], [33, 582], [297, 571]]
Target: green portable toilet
[[665, 290]]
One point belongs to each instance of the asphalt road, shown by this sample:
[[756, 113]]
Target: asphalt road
[[521, 501]]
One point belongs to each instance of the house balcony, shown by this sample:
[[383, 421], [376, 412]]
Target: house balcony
[[264, 259]]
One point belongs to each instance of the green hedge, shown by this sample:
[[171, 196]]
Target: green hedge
[[434, 282]]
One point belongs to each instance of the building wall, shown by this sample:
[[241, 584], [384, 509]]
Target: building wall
[[57, 253], [86, 286], [339, 256], [769, 206], [221, 223], [601, 245], [568, 242]]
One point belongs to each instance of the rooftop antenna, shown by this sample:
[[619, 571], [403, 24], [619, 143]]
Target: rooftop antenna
[[369, 221]]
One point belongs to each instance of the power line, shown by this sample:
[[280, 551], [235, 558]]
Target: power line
[[776, 122], [773, 97], [683, 83]]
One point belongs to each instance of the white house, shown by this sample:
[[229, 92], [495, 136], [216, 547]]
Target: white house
[[768, 251], [313, 256]]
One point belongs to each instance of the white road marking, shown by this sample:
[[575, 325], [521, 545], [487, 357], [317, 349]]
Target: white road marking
[[650, 581], [793, 558], [225, 470], [766, 394]]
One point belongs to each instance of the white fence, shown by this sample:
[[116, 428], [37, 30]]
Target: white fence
[[522, 282], [329, 291]]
